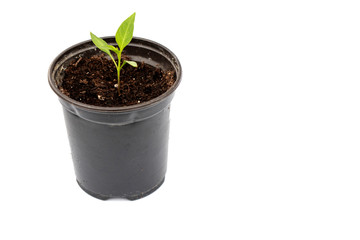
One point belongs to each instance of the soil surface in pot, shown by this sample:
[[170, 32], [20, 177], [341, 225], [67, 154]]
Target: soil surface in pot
[[93, 81]]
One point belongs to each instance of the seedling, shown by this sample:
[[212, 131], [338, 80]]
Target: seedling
[[123, 37]]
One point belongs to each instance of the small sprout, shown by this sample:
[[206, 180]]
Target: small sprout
[[123, 37], [101, 98]]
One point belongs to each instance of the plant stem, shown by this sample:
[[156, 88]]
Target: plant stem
[[118, 75], [118, 71], [113, 60]]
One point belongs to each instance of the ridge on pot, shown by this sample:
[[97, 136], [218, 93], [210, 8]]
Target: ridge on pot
[[118, 151]]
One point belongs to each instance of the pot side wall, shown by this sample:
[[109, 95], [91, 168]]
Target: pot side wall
[[119, 161]]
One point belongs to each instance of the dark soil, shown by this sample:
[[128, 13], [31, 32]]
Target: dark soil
[[94, 81]]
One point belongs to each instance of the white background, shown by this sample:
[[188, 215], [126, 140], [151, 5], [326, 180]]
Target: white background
[[265, 127]]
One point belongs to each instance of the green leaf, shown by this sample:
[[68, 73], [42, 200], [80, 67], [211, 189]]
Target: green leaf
[[114, 49], [101, 44], [132, 63], [124, 33]]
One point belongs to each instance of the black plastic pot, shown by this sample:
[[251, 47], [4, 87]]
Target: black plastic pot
[[118, 151]]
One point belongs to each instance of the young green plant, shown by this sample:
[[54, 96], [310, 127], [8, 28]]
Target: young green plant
[[123, 37]]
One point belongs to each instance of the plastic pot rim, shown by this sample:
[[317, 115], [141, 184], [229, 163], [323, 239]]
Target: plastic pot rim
[[135, 107]]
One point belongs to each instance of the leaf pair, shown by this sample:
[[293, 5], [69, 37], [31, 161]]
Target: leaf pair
[[123, 37]]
